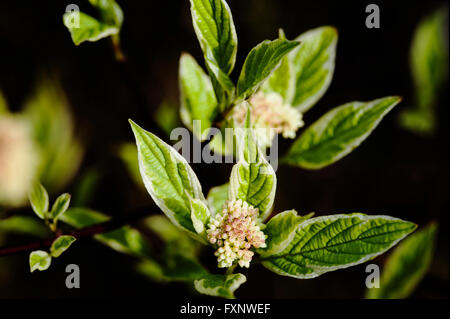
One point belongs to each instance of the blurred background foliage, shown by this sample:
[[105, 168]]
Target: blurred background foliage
[[63, 120], [429, 70]]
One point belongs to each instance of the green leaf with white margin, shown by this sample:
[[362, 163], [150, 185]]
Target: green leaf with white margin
[[260, 63], [39, 260], [60, 206], [252, 179], [169, 179], [338, 132], [312, 66], [406, 266], [220, 285], [199, 214], [197, 98], [89, 29], [110, 12], [213, 24], [61, 244], [38, 197], [126, 239], [281, 80], [328, 243], [217, 197], [280, 231]]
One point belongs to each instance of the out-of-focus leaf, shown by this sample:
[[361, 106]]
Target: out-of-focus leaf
[[125, 239], [166, 116], [220, 285], [83, 217], [61, 152], [338, 132], [61, 244], [24, 225], [179, 258], [429, 55], [86, 187], [174, 268], [40, 260], [406, 266], [129, 155], [419, 120], [429, 66], [174, 238]]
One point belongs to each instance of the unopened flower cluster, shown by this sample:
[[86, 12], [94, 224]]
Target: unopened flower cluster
[[235, 231], [268, 111]]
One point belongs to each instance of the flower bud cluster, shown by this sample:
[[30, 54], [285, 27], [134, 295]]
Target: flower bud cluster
[[270, 112], [19, 159], [235, 231]]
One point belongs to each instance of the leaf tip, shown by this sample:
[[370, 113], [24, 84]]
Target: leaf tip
[[134, 126]]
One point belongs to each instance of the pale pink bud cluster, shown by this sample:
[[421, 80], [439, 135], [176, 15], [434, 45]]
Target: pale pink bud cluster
[[19, 159], [270, 111], [235, 231]]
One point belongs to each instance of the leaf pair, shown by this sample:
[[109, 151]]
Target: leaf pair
[[41, 260], [40, 203]]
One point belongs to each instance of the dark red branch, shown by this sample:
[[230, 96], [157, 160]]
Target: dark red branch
[[78, 234]]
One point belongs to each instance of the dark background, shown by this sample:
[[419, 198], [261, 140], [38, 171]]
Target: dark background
[[394, 172]]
